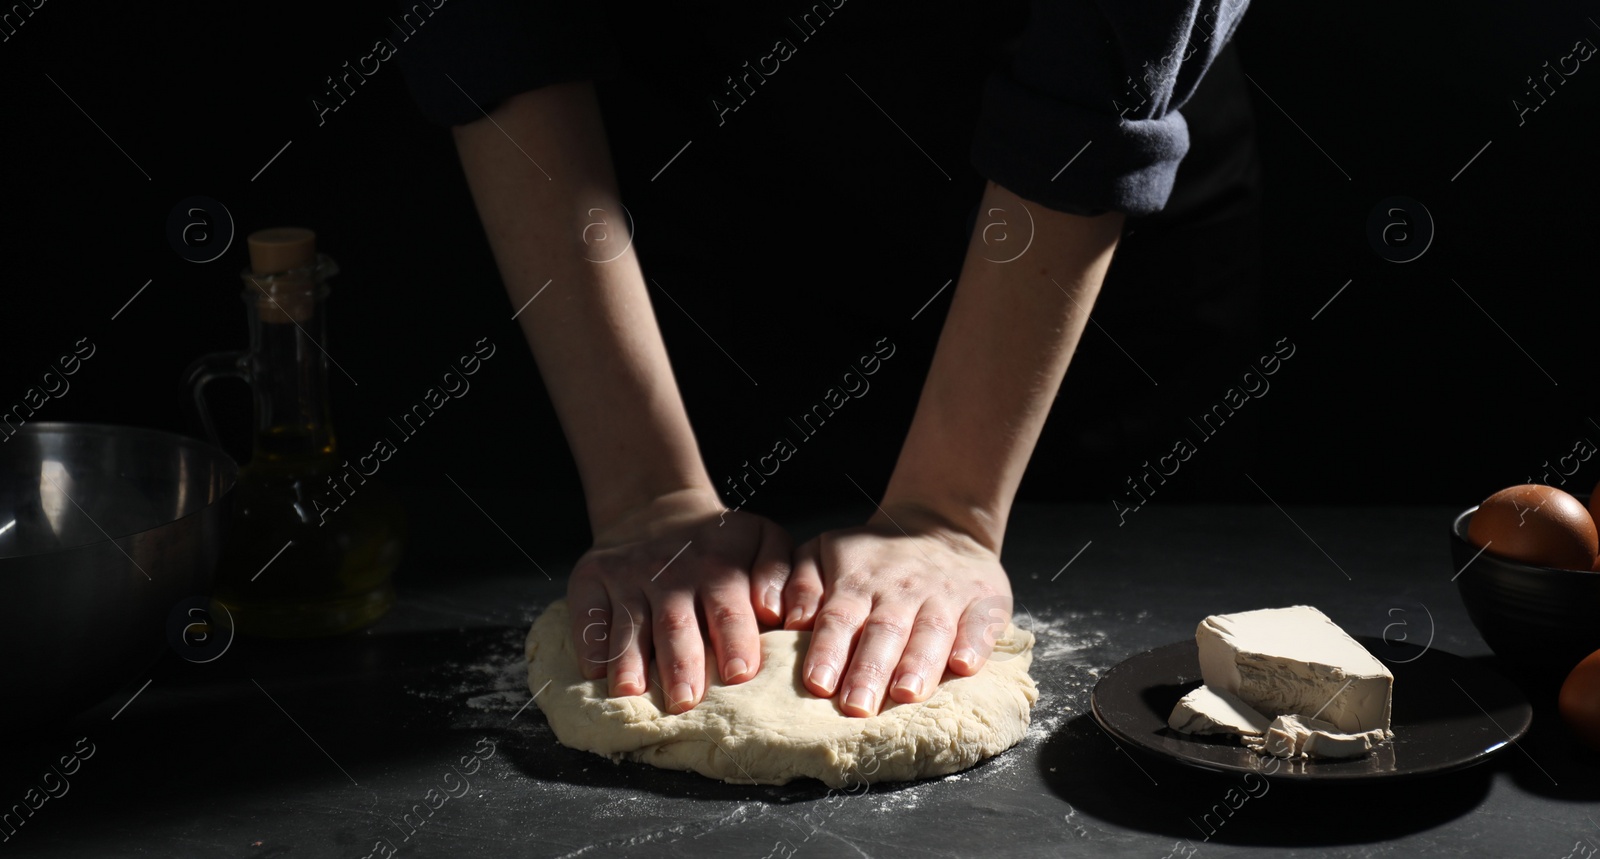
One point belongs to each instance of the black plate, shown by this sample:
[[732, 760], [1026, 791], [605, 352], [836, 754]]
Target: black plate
[[1448, 713]]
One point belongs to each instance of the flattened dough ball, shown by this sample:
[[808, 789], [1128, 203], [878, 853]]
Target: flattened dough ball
[[770, 730]]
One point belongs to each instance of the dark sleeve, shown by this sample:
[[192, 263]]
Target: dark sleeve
[[467, 54], [1084, 118]]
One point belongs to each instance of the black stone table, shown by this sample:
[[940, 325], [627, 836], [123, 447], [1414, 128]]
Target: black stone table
[[414, 739]]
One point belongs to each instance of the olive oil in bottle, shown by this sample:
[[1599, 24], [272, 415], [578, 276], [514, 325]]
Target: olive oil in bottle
[[312, 542]]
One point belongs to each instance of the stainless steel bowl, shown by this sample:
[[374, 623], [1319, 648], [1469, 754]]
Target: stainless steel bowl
[[103, 529]]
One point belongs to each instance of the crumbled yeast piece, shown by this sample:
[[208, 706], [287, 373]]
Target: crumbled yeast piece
[[1292, 736], [1209, 711]]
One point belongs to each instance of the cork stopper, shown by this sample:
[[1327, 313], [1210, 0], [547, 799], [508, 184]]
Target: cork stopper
[[282, 248], [283, 297]]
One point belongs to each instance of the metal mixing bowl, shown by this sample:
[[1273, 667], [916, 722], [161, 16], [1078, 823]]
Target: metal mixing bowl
[[103, 529]]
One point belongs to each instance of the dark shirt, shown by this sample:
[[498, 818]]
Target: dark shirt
[[1099, 85], [468, 56], [1083, 118]]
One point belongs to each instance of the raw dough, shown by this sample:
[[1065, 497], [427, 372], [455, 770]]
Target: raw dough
[[770, 730]]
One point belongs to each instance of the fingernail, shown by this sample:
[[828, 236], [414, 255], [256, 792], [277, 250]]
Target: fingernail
[[859, 699], [966, 657], [911, 683], [823, 676], [773, 600], [627, 679], [735, 670], [682, 697], [794, 616]]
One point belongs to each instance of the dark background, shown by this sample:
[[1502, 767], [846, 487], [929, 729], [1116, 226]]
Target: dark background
[[807, 227]]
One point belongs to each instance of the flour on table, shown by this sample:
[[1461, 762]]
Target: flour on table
[[496, 684], [1061, 636]]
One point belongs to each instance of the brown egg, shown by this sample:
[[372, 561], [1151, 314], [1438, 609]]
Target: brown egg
[[1594, 509], [1580, 701], [1536, 524]]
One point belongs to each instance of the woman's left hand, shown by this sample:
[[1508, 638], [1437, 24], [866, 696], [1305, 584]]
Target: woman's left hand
[[891, 604]]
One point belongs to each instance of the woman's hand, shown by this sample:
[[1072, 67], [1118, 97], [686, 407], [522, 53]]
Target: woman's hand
[[655, 572], [891, 604], [920, 586]]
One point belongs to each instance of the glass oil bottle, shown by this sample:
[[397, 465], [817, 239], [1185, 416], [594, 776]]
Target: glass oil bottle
[[310, 551]]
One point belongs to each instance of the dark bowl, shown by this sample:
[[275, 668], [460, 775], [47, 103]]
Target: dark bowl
[[103, 530], [1544, 619]]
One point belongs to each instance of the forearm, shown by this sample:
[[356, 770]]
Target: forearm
[[592, 330], [1011, 330]]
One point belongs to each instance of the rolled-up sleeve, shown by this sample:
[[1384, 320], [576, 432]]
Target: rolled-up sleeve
[[1085, 117], [465, 57]]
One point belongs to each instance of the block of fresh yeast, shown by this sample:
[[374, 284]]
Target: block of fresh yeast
[[1296, 661]]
